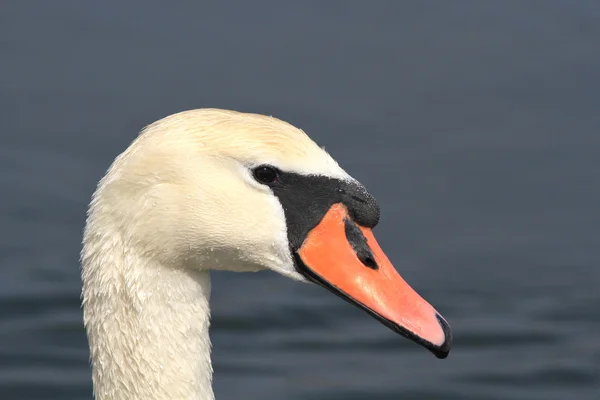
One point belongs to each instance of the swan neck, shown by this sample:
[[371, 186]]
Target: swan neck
[[147, 325]]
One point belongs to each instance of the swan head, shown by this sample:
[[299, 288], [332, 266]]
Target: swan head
[[217, 189]]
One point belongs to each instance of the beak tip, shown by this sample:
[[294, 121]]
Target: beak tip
[[443, 350], [441, 354]]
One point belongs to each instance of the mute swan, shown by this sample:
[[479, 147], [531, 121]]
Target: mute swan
[[215, 189]]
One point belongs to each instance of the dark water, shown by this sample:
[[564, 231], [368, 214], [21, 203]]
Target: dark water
[[475, 124]]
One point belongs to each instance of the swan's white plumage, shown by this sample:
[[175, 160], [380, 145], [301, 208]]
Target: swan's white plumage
[[178, 202]]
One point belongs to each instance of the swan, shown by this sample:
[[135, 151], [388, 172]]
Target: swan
[[212, 189]]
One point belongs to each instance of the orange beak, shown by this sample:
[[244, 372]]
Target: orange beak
[[346, 259]]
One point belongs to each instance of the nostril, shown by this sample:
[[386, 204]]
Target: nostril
[[369, 261], [359, 244]]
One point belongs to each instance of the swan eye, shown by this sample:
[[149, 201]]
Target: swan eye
[[265, 174]]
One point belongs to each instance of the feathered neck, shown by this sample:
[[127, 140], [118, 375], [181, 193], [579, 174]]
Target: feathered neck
[[147, 324]]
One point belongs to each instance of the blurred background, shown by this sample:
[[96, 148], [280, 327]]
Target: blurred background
[[475, 124]]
